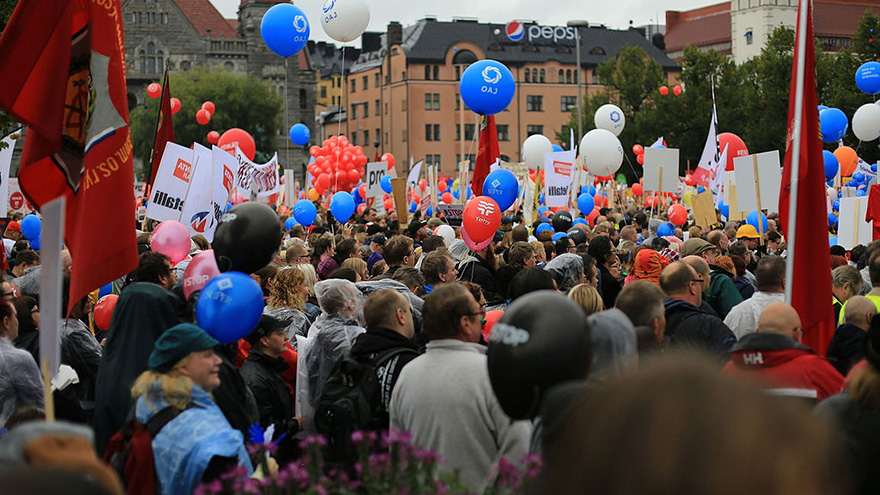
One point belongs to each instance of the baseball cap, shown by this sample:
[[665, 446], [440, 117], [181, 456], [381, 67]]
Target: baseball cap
[[378, 239], [696, 246], [267, 325], [14, 227], [747, 231]]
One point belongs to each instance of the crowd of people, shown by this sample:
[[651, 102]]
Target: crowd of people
[[608, 348]]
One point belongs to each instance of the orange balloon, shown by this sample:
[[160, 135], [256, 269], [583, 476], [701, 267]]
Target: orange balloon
[[848, 159], [313, 195]]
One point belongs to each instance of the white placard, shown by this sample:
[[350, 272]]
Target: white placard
[[373, 178], [661, 169], [852, 229], [52, 238], [558, 166], [754, 173], [17, 201], [171, 185], [225, 167], [262, 179], [5, 162], [198, 207]]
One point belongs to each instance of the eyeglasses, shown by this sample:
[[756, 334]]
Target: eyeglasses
[[697, 280], [481, 313]]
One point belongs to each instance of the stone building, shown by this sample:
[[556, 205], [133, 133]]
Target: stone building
[[183, 34]]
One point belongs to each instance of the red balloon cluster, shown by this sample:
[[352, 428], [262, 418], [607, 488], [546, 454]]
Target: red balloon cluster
[[639, 151], [676, 90], [338, 165]]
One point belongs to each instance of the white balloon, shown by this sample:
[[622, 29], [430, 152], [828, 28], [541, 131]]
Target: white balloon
[[602, 152], [447, 233], [866, 122], [345, 20], [610, 117], [534, 148]]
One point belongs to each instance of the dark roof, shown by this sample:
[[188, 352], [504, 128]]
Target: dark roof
[[428, 41], [327, 58], [205, 17]]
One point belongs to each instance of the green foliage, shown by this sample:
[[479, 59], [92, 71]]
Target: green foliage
[[244, 102], [752, 98], [7, 123]]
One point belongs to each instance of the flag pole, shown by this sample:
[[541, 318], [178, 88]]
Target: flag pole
[[796, 148]]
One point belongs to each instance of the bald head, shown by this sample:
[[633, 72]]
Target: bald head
[[701, 266], [780, 318], [859, 311]]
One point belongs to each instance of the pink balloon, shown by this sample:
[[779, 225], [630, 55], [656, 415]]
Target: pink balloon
[[471, 244], [200, 271], [171, 239]]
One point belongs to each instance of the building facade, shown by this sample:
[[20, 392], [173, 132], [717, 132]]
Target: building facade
[[403, 97], [182, 34], [741, 28]]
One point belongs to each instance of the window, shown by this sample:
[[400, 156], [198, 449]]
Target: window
[[354, 138], [567, 103], [386, 109], [543, 75], [468, 132], [749, 36], [403, 76], [471, 158], [403, 106], [303, 99], [534, 103], [427, 72], [354, 85], [323, 91], [185, 65], [364, 82], [432, 132], [404, 135], [534, 129], [528, 75], [366, 138], [378, 108], [595, 78], [437, 74], [354, 111], [386, 139], [457, 72], [503, 132], [378, 133], [568, 78], [376, 80], [432, 160], [432, 101], [597, 50], [428, 101]]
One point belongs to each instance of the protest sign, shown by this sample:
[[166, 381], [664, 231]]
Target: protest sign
[[373, 178], [704, 209], [262, 179], [225, 167], [5, 163], [852, 229], [453, 214], [412, 180], [661, 170], [171, 184], [289, 188], [758, 179], [398, 191], [558, 166], [736, 213], [198, 210]]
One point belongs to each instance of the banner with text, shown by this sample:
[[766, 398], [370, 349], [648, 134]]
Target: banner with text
[[260, 179], [171, 184], [558, 166]]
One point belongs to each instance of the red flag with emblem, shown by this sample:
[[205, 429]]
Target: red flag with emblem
[[63, 70], [487, 154]]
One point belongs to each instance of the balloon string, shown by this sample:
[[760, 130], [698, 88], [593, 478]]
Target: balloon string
[[286, 115], [474, 140]]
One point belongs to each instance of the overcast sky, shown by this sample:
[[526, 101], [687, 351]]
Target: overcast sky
[[614, 14]]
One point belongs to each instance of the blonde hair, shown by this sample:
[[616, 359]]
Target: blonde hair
[[285, 291], [587, 297], [358, 265], [311, 276], [176, 387]]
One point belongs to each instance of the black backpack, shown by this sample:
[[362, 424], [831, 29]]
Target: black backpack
[[351, 400]]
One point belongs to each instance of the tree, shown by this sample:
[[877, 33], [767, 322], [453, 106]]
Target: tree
[[7, 123], [244, 102], [866, 42]]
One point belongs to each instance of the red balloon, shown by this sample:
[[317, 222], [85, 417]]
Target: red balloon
[[491, 319], [735, 147], [358, 150], [676, 90], [209, 106], [389, 205], [315, 151], [361, 160], [322, 183], [591, 218], [638, 149], [651, 201], [640, 159], [343, 141], [423, 183], [388, 157], [154, 90], [664, 90], [441, 186], [213, 137], [235, 136], [362, 207], [203, 116], [678, 215], [481, 218], [416, 198], [353, 176], [689, 180], [637, 189], [362, 191], [175, 105], [601, 200], [446, 198], [104, 311]]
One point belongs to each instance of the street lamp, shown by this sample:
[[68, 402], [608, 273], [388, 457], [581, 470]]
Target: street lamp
[[577, 24]]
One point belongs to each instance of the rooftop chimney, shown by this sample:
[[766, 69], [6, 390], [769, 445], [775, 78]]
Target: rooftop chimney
[[395, 33]]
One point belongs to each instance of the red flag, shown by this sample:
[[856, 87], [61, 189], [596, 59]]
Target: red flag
[[807, 232], [63, 69], [487, 153], [164, 129]]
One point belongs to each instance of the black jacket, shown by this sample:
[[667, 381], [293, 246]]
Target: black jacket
[[845, 349], [480, 273], [375, 341], [688, 327], [608, 285], [263, 377], [233, 396]]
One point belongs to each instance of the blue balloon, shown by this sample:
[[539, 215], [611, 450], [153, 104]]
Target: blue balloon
[[581, 221], [822, 107], [30, 227], [859, 177], [724, 208], [541, 199], [285, 29], [35, 242], [586, 203], [832, 220], [413, 207], [385, 183], [430, 211], [289, 223], [105, 290], [487, 87], [752, 219], [701, 190], [831, 164], [874, 168], [558, 235], [304, 212], [861, 192], [342, 206], [543, 227], [230, 306], [455, 193], [299, 133], [501, 185], [868, 78], [833, 123], [543, 219], [835, 205], [542, 209], [832, 241], [665, 229], [556, 147], [589, 189]]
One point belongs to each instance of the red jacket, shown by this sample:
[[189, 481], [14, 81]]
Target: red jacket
[[787, 367]]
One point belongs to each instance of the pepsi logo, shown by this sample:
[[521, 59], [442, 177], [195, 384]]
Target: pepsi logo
[[515, 31]]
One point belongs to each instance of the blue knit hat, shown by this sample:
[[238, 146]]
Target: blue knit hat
[[176, 343]]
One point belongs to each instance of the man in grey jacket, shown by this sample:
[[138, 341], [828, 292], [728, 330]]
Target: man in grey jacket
[[445, 399]]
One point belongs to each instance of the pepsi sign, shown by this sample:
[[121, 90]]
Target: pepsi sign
[[516, 31]]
